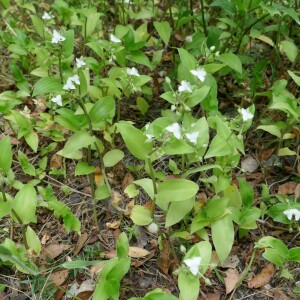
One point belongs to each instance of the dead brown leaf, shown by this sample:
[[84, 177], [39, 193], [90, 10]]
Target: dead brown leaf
[[231, 279], [164, 259], [210, 296], [287, 188], [95, 269], [59, 277], [54, 250], [265, 154], [44, 239], [113, 225], [136, 252], [280, 296], [80, 243], [297, 192], [116, 198], [86, 295], [128, 208], [262, 278], [140, 262], [98, 176], [128, 179], [231, 261], [56, 161]]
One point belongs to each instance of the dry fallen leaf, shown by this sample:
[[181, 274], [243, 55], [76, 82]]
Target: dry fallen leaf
[[287, 188], [128, 208], [44, 239], [262, 278], [140, 262], [210, 296], [137, 252], [56, 161], [113, 225], [128, 179], [164, 259], [297, 192], [116, 198], [231, 279], [59, 277], [80, 243], [95, 269], [249, 164], [280, 296], [86, 295], [231, 261], [98, 176], [54, 250]]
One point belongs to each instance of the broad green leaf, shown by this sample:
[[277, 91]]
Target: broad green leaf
[[32, 139], [131, 190], [231, 60], [188, 285], [68, 44], [135, 141], [91, 23], [273, 129], [178, 210], [102, 192], [222, 232], [25, 198], [33, 240], [6, 154], [140, 215], [274, 256], [81, 264], [122, 245], [246, 191], [164, 30], [83, 168], [142, 105], [112, 157], [187, 63], [78, 141], [272, 242], [201, 169], [294, 254], [216, 207], [38, 25], [5, 206], [218, 147], [176, 190], [290, 49], [140, 57], [234, 196], [175, 146], [286, 152], [103, 109], [27, 167], [147, 185], [47, 85]]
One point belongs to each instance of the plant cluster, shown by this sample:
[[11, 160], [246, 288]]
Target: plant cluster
[[74, 72]]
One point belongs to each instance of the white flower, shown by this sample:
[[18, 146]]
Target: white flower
[[114, 39], [57, 37], [193, 136], [185, 87], [292, 212], [193, 264], [57, 100], [200, 73], [189, 38], [212, 48], [217, 53], [70, 83], [175, 129], [80, 63], [133, 72], [246, 115], [153, 228], [46, 16]]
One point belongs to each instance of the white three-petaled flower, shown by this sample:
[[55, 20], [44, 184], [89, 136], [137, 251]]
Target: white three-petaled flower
[[175, 129], [193, 136], [57, 100], [46, 16], [69, 85], [114, 39], [185, 87], [133, 71], [80, 63], [200, 73], [246, 115], [292, 212], [193, 264], [57, 37]]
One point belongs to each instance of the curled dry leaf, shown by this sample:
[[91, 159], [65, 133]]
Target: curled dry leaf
[[98, 176], [95, 269], [86, 295], [136, 252], [56, 161], [140, 262], [113, 225], [231, 279], [128, 179], [54, 250], [249, 164], [128, 208], [116, 198], [262, 278], [45, 239], [164, 259], [80, 243], [59, 277], [231, 261], [210, 296]]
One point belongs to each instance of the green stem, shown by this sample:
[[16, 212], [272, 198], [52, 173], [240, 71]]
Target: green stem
[[203, 19], [152, 175], [59, 64]]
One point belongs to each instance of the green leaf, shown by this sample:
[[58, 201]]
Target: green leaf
[[80, 264], [147, 185], [47, 85], [164, 30], [32, 140], [223, 236], [247, 192], [131, 190], [231, 60], [135, 141], [290, 49], [78, 140], [286, 152], [142, 105], [178, 210], [274, 256], [234, 196], [83, 168], [176, 190], [271, 242], [294, 77], [216, 207], [273, 129], [112, 157], [38, 25], [25, 198], [33, 240], [189, 286], [102, 192], [187, 63], [294, 254], [68, 44], [140, 215], [6, 154], [91, 23], [218, 147], [103, 109], [122, 245], [27, 167]]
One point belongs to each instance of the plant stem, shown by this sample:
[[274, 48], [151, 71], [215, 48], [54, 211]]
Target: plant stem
[[203, 19], [59, 64], [152, 175]]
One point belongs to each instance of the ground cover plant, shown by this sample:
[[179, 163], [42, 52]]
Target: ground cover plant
[[149, 149]]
